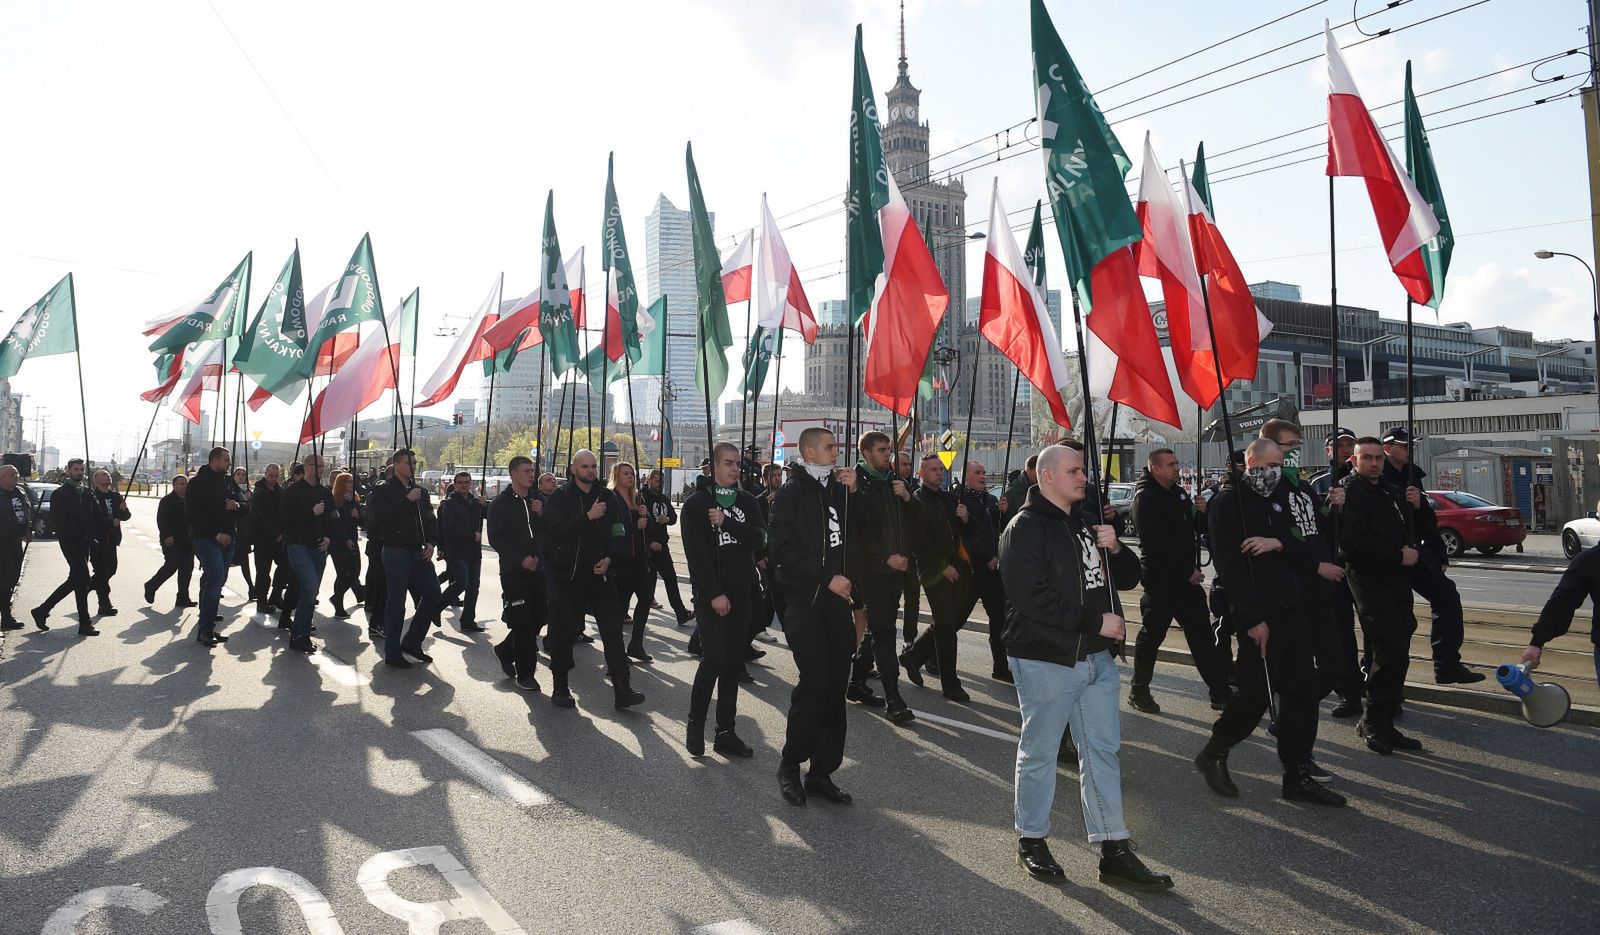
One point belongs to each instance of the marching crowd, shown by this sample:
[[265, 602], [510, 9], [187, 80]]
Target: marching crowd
[[842, 557]]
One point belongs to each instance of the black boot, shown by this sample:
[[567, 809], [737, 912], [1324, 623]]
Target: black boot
[[728, 744], [559, 695], [912, 674], [696, 741], [1298, 786], [1348, 706], [1213, 765], [824, 786], [1033, 855], [625, 695], [862, 694], [1398, 740], [1367, 729], [898, 711], [636, 651], [1119, 865], [789, 784], [1140, 699], [39, 617]]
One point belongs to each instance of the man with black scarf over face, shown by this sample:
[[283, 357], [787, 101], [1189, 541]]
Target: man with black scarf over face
[[723, 534], [585, 531], [1262, 561], [806, 548]]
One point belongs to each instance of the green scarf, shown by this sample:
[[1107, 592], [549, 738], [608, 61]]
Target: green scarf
[[725, 495], [876, 475]]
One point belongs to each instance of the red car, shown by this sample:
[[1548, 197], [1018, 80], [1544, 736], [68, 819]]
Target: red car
[[1471, 522]]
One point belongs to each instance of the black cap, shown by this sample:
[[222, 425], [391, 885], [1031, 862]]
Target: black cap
[[1340, 432], [1397, 434], [705, 463]]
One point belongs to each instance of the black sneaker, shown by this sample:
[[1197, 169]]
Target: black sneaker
[[416, 656], [303, 644], [863, 695], [823, 786], [1298, 786], [728, 744], [912, 675], [39, 617], [1119, 865], [149, 593], [1214, 768], [1034, 856], [899, 712], [502, 651], [528, 683], [1375, 740], [470, 627], [11, 623], [1347, 708], [209, 640], [107, 611], [1140, 700], [398, 662], [1457, 674], [958, 695], [184, 602], [1398, 740], [695, 741], [637, 654]]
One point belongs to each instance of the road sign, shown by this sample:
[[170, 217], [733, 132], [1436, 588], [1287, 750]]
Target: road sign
[[947, 457], [256, 433], [947, 442], [671, 462], [777, 456], [255, 446], [779, 439]]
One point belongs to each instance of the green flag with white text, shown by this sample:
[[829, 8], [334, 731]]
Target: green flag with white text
[[622, 294], [220, 314], [764, 344], [869, 192], [48, 326], [1419, 162], [1201, 180], [555, 307], [652, 360], [349, 302], [713, 334], [408, 323], [272, 351]]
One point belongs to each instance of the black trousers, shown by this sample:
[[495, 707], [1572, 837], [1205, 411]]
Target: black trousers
[[1290, 663], [722, 644], [1161, 604], [948, 601], [635, 582], [1444, 605], [1348, 675], [77, 583], [104, 557], [377, 602], [661, 563], [913, 603], [176, 559], [270, 584], [1327, 648], [347, 574], [1388, 622], [570, 599], [822, 637], [881, 595], [10, 573], [990, 591], [527, 609]]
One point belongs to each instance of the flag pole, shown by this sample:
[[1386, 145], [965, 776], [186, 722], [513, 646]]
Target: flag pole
[[1105, 468], [488, 423], [1333, 370], [972, 402], [605, 383], [140, 458], [633, 419], [1411, 431], [1011, 428], [755, 406], [538, 423], [303, 421], [777, 395], [1091, 444], [561, 411], [1199, 464], [416, 323]]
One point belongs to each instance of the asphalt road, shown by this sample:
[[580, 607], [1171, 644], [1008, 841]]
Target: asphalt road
[[250, 788]]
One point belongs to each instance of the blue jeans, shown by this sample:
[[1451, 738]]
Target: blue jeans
[[307, 563], [215, 560], [404, 570], [464, 575], [1050, 696]]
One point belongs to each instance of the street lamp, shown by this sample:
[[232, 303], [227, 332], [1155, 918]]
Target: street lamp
[[1594, 295]]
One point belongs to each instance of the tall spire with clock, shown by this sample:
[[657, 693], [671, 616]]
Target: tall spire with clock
[[905, 137]]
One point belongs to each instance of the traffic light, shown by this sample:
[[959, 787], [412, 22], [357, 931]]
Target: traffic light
[[459, 418]]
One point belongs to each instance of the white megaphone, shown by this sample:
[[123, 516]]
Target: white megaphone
[[1542, 705]]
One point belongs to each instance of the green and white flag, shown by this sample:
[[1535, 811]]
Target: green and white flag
[[622, 293], [1419, 163], [560, 332], [345, 303], [713, 334], [273, 349], [600, 370], [49, 326], [220, 314], [869, 192], [652, 360], [765, 344], [408, 323], [1201, 180]]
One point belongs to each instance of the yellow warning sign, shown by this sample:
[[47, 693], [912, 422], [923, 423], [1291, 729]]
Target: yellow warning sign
[[947, 457], [672, 462]]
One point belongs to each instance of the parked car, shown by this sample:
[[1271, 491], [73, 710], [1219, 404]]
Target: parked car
[[1467, 522], [1580, 534], [39, 494], [1122, 502]]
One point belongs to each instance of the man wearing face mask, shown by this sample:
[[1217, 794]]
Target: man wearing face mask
[[1377, 545], [1262, 562]]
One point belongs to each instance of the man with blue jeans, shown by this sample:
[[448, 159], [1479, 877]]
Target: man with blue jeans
[[461, 547], [306, 521], [401, 513], [214, 502], [1060, 631]]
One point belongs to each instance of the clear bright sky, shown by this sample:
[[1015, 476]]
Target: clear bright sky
[[143, 151]]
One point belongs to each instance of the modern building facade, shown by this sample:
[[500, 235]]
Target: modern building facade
[[669, 271]]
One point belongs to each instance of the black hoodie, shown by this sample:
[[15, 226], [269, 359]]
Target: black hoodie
[[1166, 521], [805, 540], [515, 531], [881, 525], [1053, 614], [944, 537], [1259, 587], [722, 562], [207, 496], [577, 542]]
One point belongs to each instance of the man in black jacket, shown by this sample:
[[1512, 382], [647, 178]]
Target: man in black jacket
[[1428, 578], [177, 548], [911, 606], [307, 520], [723, 534], [1166, 519], [881, 532], [987, 586], [1262, 561], [109, 512], [72, 509], [807, 550], [265, 505], [401, 513], [516, 533], [660, 506], [376, 606], [584, 522], [1377, 547], [461, 541], [16, 531], [1060, 633], [951, 540], [213, 502], [1581, 580]]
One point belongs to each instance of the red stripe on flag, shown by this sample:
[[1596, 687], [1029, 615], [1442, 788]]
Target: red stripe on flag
[[1012, 324], [1121, 320]]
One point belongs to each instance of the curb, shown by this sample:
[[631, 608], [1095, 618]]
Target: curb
[[1544, 568]]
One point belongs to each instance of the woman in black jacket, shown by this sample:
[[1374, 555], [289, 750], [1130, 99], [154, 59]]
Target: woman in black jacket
[[346, 547], [631, 573]]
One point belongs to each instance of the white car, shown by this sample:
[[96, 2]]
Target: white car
[[1580, 534]]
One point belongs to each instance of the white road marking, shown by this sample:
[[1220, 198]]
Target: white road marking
[[64, 921], [222, 903], [474, 901], [482, 768], [340, 672], [732, 927], [975, 728]]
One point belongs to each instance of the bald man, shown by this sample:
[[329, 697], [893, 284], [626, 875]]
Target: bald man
[[109, 512], [16, 531]]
